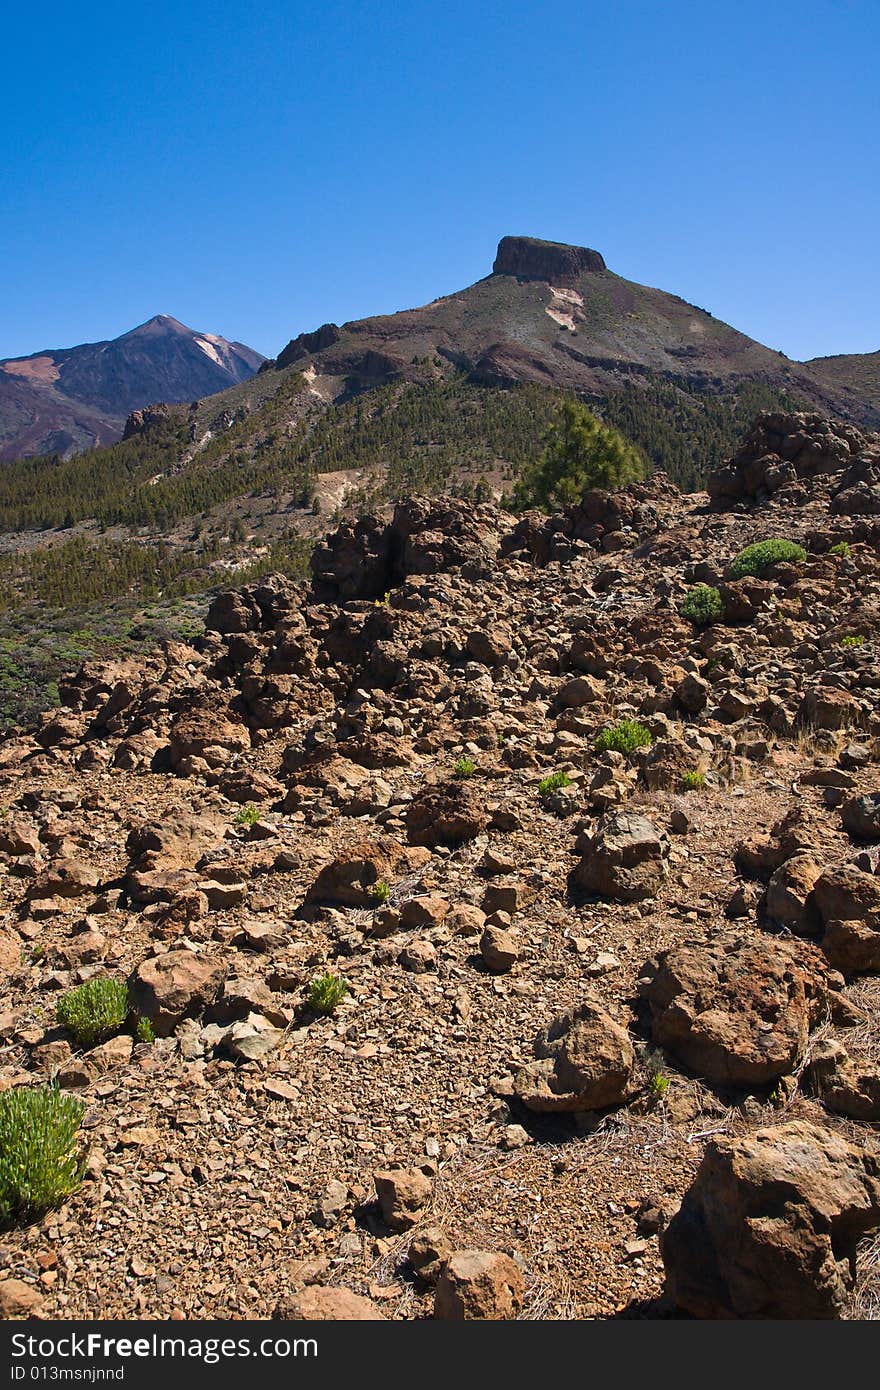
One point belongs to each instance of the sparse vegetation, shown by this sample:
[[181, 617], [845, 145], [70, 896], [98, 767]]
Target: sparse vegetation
[[94, 1010], [553, 783], [40, 1159], [624, 737], [380, 892], [757, 559], [247, 815], [693, 781], [853, 640], [326, 992], [841, 549], [464, 767], [702, 605], [144, 1031]]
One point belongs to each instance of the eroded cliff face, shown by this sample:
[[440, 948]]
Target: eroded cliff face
[[530, 259]]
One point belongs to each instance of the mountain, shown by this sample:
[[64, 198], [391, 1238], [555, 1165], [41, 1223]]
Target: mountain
[[555, 315], [856, 375], [63, 400]]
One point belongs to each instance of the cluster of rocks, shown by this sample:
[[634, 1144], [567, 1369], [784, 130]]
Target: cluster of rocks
[[352, 776]]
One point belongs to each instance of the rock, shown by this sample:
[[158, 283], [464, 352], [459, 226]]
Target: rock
[[626, 859], [181, 984], [489, 647], [317, 1304], [479, 1284], [348, 880], [499, 949], [584, 1061], [19, 1300], [770, 1225], [827, 707], [692, 693], [788, 900], [429, 1251], [848, 1086], [429, 910], [450, 813], [418, 956], [736, 1011], [252, 1037], [861, 816], [205, 734], [402, 1193], [848, 902]]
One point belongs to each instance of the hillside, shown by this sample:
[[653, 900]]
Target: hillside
[[61, 401], [489, 937], [856, 375]]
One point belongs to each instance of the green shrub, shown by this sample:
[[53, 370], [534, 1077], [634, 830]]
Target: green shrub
[[579, 453], [40, 1160], [144, 1031], [853, 640], [325, 992], [554, 783], [380, 891], [756, 559], [248, 815], [465, 767], [841, 549], [624, 737], [94, 1010], [693, 781], [702, 605]]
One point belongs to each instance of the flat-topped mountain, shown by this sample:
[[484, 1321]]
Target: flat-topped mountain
[[556, 315], [62, 400]]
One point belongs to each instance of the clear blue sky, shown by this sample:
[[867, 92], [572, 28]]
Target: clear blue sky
[[257, 168]]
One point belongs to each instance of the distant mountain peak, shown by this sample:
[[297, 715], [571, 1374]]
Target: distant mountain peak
[[529, 258], [73, 398]]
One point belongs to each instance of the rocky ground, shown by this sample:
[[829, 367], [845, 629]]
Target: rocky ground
[[610, 1050]]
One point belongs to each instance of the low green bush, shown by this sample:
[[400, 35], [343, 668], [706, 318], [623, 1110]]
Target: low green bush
[[624, 737], [465, 767], [326, 992], [853, 640], [702, 605], [841, 549], [94, 1010], [40, 1159], [756, 559], [248, 815], [380, 891], [693, 781], [554, 783]]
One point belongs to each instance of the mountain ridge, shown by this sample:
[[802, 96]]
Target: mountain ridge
[[62, 400]]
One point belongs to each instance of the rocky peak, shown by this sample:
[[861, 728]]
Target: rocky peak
[[530, 259]]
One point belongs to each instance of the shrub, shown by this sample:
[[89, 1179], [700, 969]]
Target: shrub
[[380, 891], [325, 992], [144, 1031], [841, 549], [624, 737], [465, 767], [40, 1161], [94, 1010], [853, 640], [702, 605], [693, 781], [579, 452], [554, 783], [756, 559], [248, 815]]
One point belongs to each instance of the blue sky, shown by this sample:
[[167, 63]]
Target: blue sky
[[258, 168]]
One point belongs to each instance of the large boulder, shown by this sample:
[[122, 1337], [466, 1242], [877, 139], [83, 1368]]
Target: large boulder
[[848, 902], [166, 989], [737, 1011], [861, 816], [449, 813], [350, 879], [583, 1061], [479, 1284], [770, 1225], [625, 860], [789, 901]]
